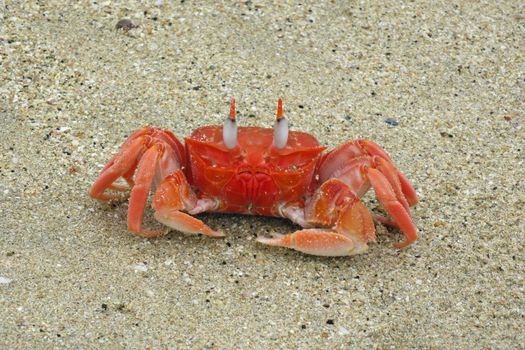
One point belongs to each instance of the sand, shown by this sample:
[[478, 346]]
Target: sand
[[440, 86]]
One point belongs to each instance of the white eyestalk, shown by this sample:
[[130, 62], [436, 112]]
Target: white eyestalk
[[280, 128], [229, 130]]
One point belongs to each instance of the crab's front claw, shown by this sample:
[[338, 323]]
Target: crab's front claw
[[314, 242], [334, 204], [348, 225], [173, 195], [185, 223]]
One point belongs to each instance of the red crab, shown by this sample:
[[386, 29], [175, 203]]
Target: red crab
[[261, 171]]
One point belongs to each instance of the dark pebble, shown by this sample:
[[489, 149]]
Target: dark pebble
[[330, 321], [391, 121], [125, 24]]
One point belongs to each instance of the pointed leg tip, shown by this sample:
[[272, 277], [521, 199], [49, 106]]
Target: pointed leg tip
[[404, 244], [215, 234], [148, 234]]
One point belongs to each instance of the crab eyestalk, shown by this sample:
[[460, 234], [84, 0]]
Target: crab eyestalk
[[280, 128], [229, 130]]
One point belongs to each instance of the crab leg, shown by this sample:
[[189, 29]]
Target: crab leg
[[123, 163], [390, 172], [345, 161], [173, 195], [333, 205], [387, 196], [363, 164], [396, 176], [139, 193]]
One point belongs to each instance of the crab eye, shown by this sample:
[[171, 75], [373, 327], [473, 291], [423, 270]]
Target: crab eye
[[229, 130], [280, 128]]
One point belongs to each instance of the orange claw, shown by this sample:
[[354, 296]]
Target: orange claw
[[314, 241], [174, 194], [185, 223], [334, 205]]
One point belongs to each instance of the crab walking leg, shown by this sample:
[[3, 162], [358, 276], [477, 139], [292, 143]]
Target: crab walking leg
[[139, 194], [128, 176], [387, 197], [390, 172], [408, 190], [334, 205], [173, 195], [344, 162], [137, 134], [122, 164]]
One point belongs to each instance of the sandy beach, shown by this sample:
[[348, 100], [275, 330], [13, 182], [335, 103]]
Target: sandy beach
[[441, 87]]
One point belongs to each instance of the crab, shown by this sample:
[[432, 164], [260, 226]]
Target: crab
[[261, 171]]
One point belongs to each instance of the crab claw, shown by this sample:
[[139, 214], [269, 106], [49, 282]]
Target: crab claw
[[313, 241], [185, 223], [173, 195], [336, 206]]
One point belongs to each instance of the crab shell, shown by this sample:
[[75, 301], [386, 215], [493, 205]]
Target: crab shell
[[254, 176]]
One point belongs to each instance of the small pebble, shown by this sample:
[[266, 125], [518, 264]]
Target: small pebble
[[141, 267], [391, 121], [5, 280], [343, 331], [125, 24]]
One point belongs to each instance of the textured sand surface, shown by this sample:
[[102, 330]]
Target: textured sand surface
[[440, 87]]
